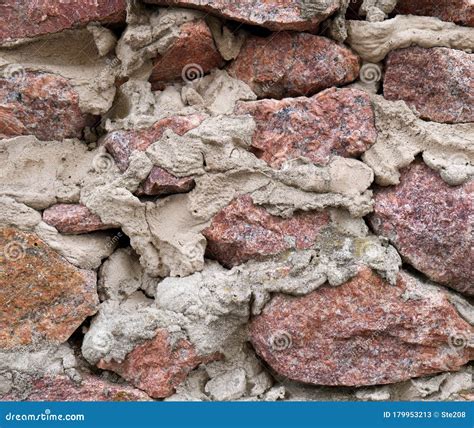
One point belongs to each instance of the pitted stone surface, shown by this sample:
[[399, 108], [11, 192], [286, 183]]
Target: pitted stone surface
[[442, 92], [430, 223], [42, 104], [293, 64], [26, 18], [243, 231], [157, 366], [73, 218], [335, 122], [43, 298], [364, 332], [273, 14]]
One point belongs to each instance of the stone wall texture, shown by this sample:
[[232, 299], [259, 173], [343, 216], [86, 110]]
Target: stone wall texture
[[247, 200]]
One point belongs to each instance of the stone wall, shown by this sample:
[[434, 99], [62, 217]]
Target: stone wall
[[251, 200]]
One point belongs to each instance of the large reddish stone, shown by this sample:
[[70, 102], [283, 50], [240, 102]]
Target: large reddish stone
[[334, 122], [293, 64], [61, 388], [364, 332], [243, 231], [189, 57], [273, 14], [121, 144], [458, 11], [161, 183], [437, 81], [430, 223], [74, 218], [157, 366], [42, 104], [26, 18], [43, 298]]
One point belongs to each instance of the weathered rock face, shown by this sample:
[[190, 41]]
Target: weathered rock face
[[158, 366], [334, 122], [188, 58], [161, 183], [34, 279], [364, 332], [293, 64], [24, 18], [120, 144], [443, 92], [458, 11], [73, 218], [243, 231], [430, 223], [41, 104], [91, 388], [273, 14]]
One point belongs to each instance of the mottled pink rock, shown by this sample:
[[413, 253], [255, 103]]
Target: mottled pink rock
[[430, 223], [161, 183], [42, 104], [61, 388], [364, 332], [293, 64], [27, 18], [438, 82], [335, 122], [121, 144], [157, 366], [74, 218], [43, 298], [298, 15], [458, 11], [189, 57], [243, 231]]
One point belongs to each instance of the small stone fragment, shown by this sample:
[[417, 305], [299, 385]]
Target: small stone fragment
[[293, 64], [26, 18], [272, 14], [161, 183], [121, 144], [364, 332], [335, 122], [459, 11], [157, 366], [41, 104], [436, 81], [43, 298], [74, 219], [430, 223], [243, 231], [91, 388], [188, 58]]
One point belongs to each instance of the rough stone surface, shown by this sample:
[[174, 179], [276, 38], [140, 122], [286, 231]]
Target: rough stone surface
[[293, 64], [189, 57], [273, 14], [35, 279], [458, 11], [90, 388], [443, 92], [243, 231], [157, 366], [73, 218], [364, 332], [334, 122], [161, 183], [430, 223], [121, 144], [24, 18], [41, 104]]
